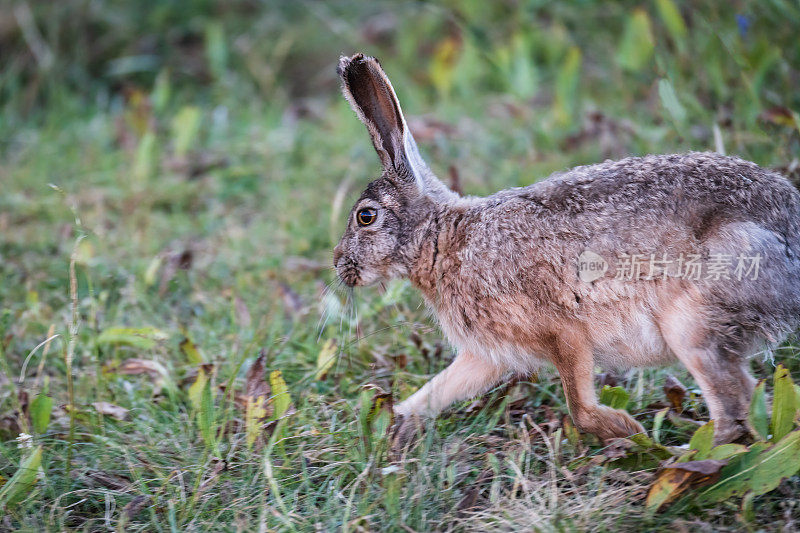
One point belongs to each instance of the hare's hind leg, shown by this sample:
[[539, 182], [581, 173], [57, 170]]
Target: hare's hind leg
[[723, 376], [574, 361]]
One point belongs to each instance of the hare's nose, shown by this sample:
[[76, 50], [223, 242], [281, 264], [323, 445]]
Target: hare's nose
[[337, 254]]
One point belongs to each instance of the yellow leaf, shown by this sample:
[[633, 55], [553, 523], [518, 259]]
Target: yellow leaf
[[675, 479], [280, 394], [326, 358], [196, 390], [191, 351], [255, 412]]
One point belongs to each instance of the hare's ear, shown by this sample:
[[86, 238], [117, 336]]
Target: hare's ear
[[372, 97]]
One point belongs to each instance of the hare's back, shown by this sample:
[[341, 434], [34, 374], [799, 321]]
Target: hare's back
[[696, 190], [722, 208]]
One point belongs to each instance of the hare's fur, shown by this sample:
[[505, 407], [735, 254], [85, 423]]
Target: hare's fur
[[501, 272]]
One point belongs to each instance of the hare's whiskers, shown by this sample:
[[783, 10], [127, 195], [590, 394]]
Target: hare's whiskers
[[329, 293]]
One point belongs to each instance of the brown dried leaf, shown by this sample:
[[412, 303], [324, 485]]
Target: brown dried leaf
[[136, 506], [400, 360], [779, 115], [553, 419], [382, 400], [255, 403], [98, 478], [109, 409], [675, 479], [134, 366], [607, 378], [175, 261], [9, 426], [675, 391], [256, 382], [470, 499]]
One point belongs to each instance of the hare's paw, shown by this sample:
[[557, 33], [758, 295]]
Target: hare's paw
[[403, 434], [608, 423], [726, 431]]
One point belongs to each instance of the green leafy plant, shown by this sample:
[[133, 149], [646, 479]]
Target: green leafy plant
[[17, 488], [729, 470], [615, 397]]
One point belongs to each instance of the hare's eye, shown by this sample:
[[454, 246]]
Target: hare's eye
[[366, 216]]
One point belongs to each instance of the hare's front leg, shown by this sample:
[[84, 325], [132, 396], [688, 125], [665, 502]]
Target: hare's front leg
[[575, 364], [466, 376]]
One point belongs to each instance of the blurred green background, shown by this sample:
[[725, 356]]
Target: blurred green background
[[195, 160]]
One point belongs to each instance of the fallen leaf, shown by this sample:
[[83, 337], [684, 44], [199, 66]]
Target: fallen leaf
[[281, 401], [109, 409], [326, 358], [760, 470], [675, 479], [134, 366], [255, 381], [553, 419], [256, 398], [470, 498], [204, 373], [191, 351], [381, 401], [675, 391], [98, 478], [175, 261], [136, 506], [782, 116], [651, 446]]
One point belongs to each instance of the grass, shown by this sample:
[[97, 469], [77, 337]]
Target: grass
[[200, 194]]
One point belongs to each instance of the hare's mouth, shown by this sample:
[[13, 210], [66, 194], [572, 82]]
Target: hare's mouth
[[349, 277], [349, 273]]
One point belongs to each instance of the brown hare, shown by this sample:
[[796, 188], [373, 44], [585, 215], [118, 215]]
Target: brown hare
[[691, 257]]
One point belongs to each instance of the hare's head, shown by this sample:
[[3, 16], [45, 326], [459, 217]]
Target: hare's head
[[387, 224]]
